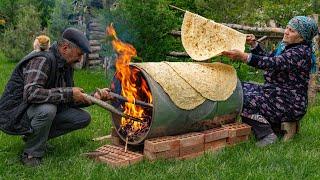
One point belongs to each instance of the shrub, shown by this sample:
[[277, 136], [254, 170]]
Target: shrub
[[59, 19], [145, 24], [17, 40]]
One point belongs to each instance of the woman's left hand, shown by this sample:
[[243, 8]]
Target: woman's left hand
[[236, 55]]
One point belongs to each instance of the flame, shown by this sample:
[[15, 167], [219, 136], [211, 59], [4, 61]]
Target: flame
[[128, 78]]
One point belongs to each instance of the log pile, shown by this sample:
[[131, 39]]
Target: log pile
[[95, 35]]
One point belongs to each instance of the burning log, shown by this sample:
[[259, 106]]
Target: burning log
[[137, 102]]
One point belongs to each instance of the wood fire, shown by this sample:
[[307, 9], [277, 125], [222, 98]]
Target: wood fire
[[133, 87]]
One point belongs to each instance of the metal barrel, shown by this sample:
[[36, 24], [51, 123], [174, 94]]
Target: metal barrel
[[168, 119]]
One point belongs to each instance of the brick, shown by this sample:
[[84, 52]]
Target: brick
[[237, 139], [191, 149], [116, 157], [191, 143], [238, 129], [215, 134], [162, 144], [215, 145], [190, 156], [161, 155], [191, 139]]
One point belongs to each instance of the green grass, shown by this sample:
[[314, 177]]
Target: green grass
[[297, 159]]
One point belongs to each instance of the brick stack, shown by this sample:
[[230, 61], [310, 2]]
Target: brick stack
[[184, 146], [194, 144], [116, 156]]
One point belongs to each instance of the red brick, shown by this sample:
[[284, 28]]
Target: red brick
[[215, 145], [190, 156], [238, 129], [191, 149], [161, 155], [116, 157], [162, 144], [215, 134], [237, 139], [191, 139]]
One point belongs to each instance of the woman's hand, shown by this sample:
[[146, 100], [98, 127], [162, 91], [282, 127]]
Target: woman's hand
[[236, 55], [251, 40]]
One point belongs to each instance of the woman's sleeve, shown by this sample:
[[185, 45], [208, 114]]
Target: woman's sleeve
[[293, 58], [258, 50]]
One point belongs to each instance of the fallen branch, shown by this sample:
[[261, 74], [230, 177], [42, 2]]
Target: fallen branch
[[178, 54], [102, 138]]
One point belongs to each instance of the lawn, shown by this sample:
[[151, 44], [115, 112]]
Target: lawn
[[298, 159]]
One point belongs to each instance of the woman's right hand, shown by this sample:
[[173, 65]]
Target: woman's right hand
[[251, 40]]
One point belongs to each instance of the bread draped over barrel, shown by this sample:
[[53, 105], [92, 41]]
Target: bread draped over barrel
[[189, 84]]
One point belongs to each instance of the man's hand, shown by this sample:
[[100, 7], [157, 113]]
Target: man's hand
[[251, 40], [78, 96], [236, 55], [103, 94]]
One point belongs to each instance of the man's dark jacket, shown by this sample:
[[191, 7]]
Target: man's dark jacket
[[13, 116]]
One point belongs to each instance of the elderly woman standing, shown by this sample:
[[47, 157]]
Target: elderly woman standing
[[283, 97]]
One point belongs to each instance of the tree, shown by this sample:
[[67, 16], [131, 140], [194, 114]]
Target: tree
[[17, 40]]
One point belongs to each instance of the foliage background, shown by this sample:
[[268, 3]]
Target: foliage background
[[144, 23]]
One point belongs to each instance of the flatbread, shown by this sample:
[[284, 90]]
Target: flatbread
[[214, 81], [179, 91], [189, 84], [203, 38]]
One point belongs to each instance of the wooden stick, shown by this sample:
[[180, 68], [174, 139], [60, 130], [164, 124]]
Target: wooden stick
[[262, 38], [126, 146], [175, 7], [178, 54], [102, 138], [110, 108], [137, 102]]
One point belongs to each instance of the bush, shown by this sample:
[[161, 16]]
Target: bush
[[59, 18], [17, 40], [145, 24]]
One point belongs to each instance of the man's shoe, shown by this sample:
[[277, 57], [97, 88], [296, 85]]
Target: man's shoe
[[30, 161], [290, 129], [267, 140]]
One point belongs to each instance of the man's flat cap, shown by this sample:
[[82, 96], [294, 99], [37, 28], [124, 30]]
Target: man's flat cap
[[78, 38]]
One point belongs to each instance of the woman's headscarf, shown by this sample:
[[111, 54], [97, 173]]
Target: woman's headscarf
[[308, 29]]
